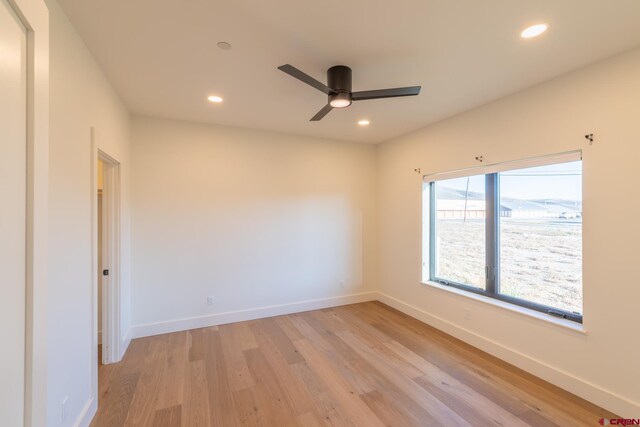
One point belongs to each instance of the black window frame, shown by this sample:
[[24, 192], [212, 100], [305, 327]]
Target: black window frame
[[492, 252]]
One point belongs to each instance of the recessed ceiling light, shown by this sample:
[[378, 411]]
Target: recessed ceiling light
[[224, 45], [214, 98], [533, 31], [363, 122]]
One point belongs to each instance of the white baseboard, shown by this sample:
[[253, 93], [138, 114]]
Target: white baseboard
[[597, 395], [86, 416], [177, 325]]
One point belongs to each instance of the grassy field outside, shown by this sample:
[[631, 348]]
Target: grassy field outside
[[540, 259]]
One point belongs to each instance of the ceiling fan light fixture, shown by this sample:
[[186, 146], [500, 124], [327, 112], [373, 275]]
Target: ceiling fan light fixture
[[340, 100]]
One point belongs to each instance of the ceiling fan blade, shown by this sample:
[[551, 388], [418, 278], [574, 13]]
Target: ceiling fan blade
[[305, 78], [325, 110], [386, 93]]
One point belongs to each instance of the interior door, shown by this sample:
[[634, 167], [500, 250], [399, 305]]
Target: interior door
[[13, 145]]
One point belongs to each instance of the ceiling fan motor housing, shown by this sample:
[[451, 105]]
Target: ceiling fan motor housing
[[339, 80]]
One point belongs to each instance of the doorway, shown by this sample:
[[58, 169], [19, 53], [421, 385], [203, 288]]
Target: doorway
[[100, 262], [107, 273]]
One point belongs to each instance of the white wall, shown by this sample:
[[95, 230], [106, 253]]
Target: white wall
[[603, 99], [81, 97], [13, 212], [253, 218]]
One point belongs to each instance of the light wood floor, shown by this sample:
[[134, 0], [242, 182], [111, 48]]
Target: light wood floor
[[364, 364]]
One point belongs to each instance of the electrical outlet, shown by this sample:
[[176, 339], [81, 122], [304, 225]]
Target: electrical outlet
[[64, 409], [467, 314], [210, 300]]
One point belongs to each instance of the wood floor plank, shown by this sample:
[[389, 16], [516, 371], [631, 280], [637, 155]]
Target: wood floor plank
[[414, 332], [359, 380], [356, 323], [449, 390], [270, 328], [196, 344], [422, 345], [330, 318], [359, 412], [168, 417], [293, 390], [133, 363], [399, 364], [540, 396], [327, 405], [388, 412], [247, 408], [171, 384], [220, 392], [232, 347], [547, 406], [244, 334], [195, 409], [288, 328], [534, 418], [543, 393], [310, 419], [469, 410], [357, 365], [272, 403], [116, 408], [439, 410], [491, 390], [151, 372], [447, 350], [376, 380]]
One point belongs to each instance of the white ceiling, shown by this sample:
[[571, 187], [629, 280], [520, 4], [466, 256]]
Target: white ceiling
[[162, 58]]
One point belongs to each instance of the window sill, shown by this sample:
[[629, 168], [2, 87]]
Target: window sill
[[564, 323]]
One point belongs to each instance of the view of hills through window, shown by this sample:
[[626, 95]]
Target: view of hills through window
[[460, 231], [539, 233]]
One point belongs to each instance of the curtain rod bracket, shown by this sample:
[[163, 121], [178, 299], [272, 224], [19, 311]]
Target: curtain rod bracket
[[480, 159], [589, 137]]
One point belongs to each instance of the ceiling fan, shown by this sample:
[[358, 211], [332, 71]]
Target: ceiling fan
[[338, 88]]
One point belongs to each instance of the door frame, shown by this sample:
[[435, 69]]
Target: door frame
[[111, 259], [35, 18]]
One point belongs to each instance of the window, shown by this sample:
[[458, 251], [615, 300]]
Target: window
[[512, 232]]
